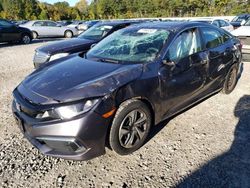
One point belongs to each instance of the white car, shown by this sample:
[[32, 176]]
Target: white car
[[243, 33], [47, 28], [224, 24]]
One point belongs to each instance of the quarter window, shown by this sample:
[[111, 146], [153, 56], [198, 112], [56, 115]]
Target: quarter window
[[186, 44], [212, 37]]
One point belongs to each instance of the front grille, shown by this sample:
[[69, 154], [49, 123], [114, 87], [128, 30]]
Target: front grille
[[40, 57]]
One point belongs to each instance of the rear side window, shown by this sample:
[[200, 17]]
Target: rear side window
[[50, 24], [212, 37], [216, 23], [223, 23]]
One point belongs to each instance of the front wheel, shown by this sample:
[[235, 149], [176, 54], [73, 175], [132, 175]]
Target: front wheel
[[231, 80], [130, 127]]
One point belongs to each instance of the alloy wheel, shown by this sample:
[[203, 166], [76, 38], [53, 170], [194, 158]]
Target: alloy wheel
[[133, 128]]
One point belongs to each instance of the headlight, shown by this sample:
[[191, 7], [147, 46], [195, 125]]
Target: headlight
[[67, 112], [57, 56]]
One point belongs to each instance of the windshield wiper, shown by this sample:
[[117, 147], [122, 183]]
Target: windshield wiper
[[108, 60]]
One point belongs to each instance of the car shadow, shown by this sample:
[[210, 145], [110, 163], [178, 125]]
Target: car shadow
[[232, 168], [35, 41]]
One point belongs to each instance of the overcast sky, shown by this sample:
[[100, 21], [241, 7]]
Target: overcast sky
[[71, 2]]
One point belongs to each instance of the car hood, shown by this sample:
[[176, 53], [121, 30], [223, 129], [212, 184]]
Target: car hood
[[76, 78], [71, 45], [242, 31]]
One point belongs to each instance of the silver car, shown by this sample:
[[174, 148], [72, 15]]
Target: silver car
[[44, 28]]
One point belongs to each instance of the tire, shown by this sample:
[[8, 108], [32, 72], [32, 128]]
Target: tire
[[26, 39], [35, 35], [68, 34], [130, 127], [231, 80]]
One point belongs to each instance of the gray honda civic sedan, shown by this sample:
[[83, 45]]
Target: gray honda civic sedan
[[131, 80]]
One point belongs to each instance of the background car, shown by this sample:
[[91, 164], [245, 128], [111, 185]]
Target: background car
[[75, 23], [64, 22], [86, 25], [236, 22], [217, 22], [10, 32], [82, 43], [243, 33], [45, 28]]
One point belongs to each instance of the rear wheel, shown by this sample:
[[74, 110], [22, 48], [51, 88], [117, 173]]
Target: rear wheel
[[231, 80], [68, 34], [130, 127], [26, 39]]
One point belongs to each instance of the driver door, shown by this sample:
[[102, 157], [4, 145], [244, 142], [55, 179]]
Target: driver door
[[183, 72]]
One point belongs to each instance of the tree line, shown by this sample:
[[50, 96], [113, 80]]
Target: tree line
[[111, 9]]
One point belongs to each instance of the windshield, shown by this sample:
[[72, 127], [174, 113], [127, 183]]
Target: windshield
[[96, 32], [131, 45]]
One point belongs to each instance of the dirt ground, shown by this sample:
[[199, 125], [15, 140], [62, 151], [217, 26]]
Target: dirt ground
[[206, 146]]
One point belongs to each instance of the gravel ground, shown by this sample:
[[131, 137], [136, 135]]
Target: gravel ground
[[206, 146]]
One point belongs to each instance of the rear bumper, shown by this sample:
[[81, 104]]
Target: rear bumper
[[78, 139]]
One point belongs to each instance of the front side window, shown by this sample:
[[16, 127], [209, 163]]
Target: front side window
[[186, 44], [37, 24], [135, 45], [96, 32], [212, 37]]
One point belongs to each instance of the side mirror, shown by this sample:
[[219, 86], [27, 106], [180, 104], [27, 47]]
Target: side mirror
[[243, 22], [169, 63]]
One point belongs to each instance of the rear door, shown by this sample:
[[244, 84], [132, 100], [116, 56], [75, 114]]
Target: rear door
[[184, 79], [39, 27], [52, 29], [219, 53]]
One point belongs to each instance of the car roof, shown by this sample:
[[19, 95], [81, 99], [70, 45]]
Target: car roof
[[173, 26], [118, 22]]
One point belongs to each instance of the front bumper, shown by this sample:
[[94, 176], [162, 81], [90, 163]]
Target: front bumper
[[82, 138]]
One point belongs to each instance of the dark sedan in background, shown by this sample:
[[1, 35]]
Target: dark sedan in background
[[82, 43], [9, 32], [128, 82]]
